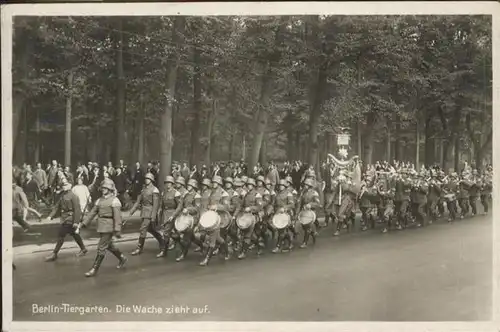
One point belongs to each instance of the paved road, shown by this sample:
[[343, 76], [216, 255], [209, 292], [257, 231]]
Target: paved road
[[438, 273]]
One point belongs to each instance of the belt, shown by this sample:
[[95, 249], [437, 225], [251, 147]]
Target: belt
[[102, 217]]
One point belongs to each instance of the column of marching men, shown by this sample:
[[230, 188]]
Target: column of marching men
[[234, 215]]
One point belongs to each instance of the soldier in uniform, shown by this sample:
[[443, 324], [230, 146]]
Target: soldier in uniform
[[291, 189], [365, 205], [387, 196], [263, 221], [486, 188], [402, 198], [284, 203], [433, 198], [347, 204], [474, 191], [309, 200], [206, 191], [218, 201], [234, 203], [109, 223], [463, 194], [149, 202], [450, 188], [270, 207], [190, 205], [329, 194], [251, 203], [419, 200], [170, 207], [69, 209], [19, 206]]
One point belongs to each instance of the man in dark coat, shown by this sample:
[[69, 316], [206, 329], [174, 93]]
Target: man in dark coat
[[137, 181]]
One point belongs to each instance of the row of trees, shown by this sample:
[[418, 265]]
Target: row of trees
[[200, 89]]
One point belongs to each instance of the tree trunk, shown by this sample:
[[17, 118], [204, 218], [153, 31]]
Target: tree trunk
[[429, 142], [368, 138], [166, 139], [38, 138], [388, 142], [140, 127], [263, 150], [397, 141], [359, 134], [290, 148], [120, 97], [67, 137], [195, 126], [210, 126], [417, 146], [456, 160], [441, 153], [244, 147], [262, 113]]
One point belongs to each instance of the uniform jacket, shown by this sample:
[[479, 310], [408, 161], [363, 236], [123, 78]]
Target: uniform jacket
[[220, 198], [68, 206], [403, 190], [171, 203], [234, 200], [310, 196], [205, 199], [284, 199], [252, 200], [148, 201], [192, 203], [51, 177], [107, 210]]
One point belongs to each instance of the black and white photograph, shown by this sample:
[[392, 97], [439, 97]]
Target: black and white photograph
[[253, 168]]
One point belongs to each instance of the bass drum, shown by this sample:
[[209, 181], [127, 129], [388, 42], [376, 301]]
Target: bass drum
[[210, 220], [281, 220], [306, 217], [245, 221], [225, 219], [184, 222]]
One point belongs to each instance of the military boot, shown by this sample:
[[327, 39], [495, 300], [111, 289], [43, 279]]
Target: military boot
[[306, 239], [123, 260], [184, 251], [227, 254], [209, 254], [82, 253], [95, 268], [139, 248], [51, 258], [243, 253]]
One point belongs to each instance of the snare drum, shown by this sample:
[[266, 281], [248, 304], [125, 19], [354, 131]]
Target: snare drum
[[245, 221], [307, 217], [225, 219], [184, 222], [281, 220], [210, 220]]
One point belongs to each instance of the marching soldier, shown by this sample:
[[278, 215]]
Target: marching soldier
[[251, 203], [234, 203], [284, 203], [433, 198], [474, 191], [329, 194], [309, 200], [450, 188], [190, 205], [402, 198], [109, 223], [263, 222], [206, 191], [170, 207], [270, 207], [387, 195], [486, 188], [149, 202], [419, 200], [68, 207], [463, 194], [347, 204], [218, 201]]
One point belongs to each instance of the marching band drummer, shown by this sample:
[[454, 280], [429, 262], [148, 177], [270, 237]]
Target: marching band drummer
[[433, 197], [149, 202], [170, 208], [263, 221], [206, 191], [419, 198], [109, 224], [190, 205], [450, 188], [234, 201], [308, 200], [474, 191], [251, 203], [284, 203], [402, 198], [270, 207], [218, 201], [463, 193]]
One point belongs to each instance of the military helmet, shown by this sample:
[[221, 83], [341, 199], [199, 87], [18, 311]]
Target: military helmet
[[193, 183], [309, 182], [108, 184], [238, 182], [169, 179], [180, 180], [150, 176], [206, 182], [229, 180], [289, 180], [261, 178], [244, 179], [251, 181], [283, 182], [217, 179]]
